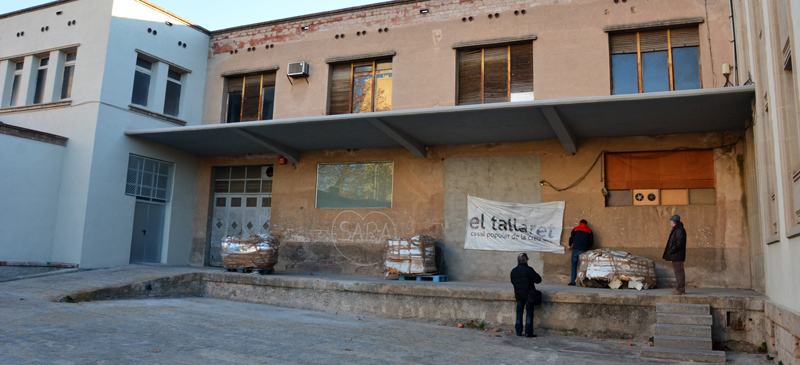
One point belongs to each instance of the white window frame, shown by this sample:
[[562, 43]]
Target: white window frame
[[179, 82], [68, 63], [149, 83], [18, 67], [37, 91]]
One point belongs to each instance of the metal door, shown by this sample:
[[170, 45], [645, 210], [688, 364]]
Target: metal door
[[148, 226], [240, 214]]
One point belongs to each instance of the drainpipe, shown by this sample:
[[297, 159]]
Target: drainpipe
[[735, 51]]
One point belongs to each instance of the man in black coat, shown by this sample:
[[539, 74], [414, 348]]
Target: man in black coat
[[524, 279], [580, 241], [676, 252]]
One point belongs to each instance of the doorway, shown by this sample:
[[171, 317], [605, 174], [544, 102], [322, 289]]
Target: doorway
[[148, 227], [242, 205]]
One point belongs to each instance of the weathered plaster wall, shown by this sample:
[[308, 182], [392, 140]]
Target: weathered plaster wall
[[312, 239], [510, 178], [571, 54]]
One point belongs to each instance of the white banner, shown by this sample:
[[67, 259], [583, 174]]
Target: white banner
[[499, 226]]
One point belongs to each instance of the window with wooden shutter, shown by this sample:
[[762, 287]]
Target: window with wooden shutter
[[361, 87], [250, 97], [495, 74], [680, 177], [655, 60]]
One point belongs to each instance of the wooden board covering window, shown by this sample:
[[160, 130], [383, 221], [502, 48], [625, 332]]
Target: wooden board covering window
[[495, 75], [235, 84], [660, 170], [653, 41], [469, 76], [685, 37], [251, 101], [491, 74], [340, 88], [522, 68], [623, 43]]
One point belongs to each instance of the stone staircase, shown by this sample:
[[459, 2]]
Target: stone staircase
[[683, 333]]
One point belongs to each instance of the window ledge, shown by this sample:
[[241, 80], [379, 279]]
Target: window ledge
[[25, 108], [775, 238], [159, 116], [794, 232], [35, 135]]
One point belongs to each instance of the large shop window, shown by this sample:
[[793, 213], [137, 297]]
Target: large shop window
[[658, 60], [495, 74], [149, 179], [361, 87], [250, 98], [355, 185], [660, 178]]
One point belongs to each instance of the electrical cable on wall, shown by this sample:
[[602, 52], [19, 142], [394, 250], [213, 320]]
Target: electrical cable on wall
[[603, 152]]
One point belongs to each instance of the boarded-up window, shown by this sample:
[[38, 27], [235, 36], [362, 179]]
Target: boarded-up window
[[250, 97], [660, 170], [361, 87], [495, 74], [655, 60]]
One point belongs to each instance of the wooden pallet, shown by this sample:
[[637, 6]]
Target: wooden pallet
[[434, 278], [247, 270]]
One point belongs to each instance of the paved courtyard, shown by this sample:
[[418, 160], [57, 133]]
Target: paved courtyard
[[203, 330]]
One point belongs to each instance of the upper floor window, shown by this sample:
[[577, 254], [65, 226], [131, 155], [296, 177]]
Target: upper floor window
[[141, 82], [250, 98], [361, 87], [69, 72], [495, 74], [41, 79], [657, 60], [15, 85], [172, 100]]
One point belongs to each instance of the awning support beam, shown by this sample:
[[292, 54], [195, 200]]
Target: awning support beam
[[290, 153], [417, 149], [562, 129]]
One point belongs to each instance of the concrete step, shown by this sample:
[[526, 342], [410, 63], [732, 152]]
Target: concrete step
[[683, 355], [683, 330], [678, 308], [690, 319], [679, 342]]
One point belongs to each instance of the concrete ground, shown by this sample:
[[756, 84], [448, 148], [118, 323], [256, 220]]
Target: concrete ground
[[203, 330]]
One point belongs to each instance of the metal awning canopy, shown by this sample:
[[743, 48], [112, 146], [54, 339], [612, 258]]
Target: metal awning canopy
[[568, 120]]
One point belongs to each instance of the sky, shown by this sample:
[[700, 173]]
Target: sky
[[220, 14]]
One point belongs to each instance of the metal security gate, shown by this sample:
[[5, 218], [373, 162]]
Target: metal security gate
[[148, 227], [242, 201]]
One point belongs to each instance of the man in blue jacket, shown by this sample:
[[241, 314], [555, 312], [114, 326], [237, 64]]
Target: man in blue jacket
[[580, 241], [524, 279]]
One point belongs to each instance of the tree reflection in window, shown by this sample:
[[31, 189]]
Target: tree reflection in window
[[355, 185]]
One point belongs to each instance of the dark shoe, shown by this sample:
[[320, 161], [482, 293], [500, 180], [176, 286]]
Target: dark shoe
[[519, 334], [533, 335], [675, 292], [571, 284]]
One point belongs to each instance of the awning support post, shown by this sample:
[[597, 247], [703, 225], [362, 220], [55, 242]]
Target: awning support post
[[417, 149], [562, 129], [290, 153]]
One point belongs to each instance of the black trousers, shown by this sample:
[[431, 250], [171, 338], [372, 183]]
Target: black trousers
[[524, 305]]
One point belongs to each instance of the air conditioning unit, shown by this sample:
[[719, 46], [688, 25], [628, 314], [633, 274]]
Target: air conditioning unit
[[646, 197], [298, 69]]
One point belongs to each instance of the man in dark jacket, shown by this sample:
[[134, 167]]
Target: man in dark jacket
[[524, 277], [580, 241], [676, 252]]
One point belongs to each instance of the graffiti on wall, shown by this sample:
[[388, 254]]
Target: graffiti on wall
[[370, 228]]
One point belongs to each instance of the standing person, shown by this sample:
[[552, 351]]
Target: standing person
[[676, 252], [524, 279], [580, 241]]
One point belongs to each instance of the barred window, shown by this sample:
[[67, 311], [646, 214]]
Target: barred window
[[149, 179]]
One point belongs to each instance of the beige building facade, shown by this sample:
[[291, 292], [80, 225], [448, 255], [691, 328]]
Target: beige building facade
[[766, 39]]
